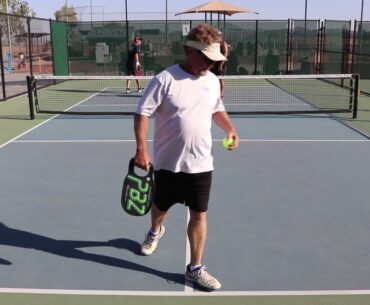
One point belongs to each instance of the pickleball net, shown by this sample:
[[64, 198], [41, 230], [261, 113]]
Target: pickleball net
[[250, 94]]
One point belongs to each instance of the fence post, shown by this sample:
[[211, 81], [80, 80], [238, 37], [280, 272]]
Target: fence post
[[256, 49], [354, 50], [318, 49], [322, 46], [29, 43], [289, 47], [2, 66], [52, 46]]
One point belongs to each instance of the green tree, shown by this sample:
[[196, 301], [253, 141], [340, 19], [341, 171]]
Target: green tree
[[3, 8], [14, 24], [66, 14], [22, 8], [17, 7]]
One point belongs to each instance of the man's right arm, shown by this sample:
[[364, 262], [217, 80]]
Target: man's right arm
[[142, 157]]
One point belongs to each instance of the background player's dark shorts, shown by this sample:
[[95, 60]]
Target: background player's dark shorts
[[130, 68], [193, 190]]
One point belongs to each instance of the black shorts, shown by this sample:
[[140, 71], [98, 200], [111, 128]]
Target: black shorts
[[193, 190], [130, 69]]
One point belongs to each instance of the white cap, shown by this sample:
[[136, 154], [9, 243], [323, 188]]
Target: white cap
[[212, 51]]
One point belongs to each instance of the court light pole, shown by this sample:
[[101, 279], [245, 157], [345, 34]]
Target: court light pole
[[305, 28], [66, 5], [127, 41], [305, 10], [166, 10], [360, 26], [9, 34], [91, 13], [166, 21]]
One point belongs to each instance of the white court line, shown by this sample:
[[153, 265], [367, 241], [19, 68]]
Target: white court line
[[29, 130], [84, 100], [42, 123], [215, 140], [188, 289], [76, 141], [189, 293]]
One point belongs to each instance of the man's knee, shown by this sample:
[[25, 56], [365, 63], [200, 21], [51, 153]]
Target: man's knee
[[198, 216]]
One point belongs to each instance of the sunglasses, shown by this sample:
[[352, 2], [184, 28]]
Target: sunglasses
[[205, 58]]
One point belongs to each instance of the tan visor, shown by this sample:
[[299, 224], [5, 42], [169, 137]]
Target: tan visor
[[212, 51]]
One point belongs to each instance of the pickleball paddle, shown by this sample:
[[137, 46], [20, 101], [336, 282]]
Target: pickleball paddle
[[137, 191], [139, 72]]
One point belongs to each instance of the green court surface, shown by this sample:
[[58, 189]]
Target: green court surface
[[362, 122], [15, 118]]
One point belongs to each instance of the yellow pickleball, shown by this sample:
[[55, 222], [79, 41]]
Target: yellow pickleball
[[227, 142]]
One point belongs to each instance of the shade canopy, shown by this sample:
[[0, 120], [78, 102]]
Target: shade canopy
[[217, 7], [32, 35]]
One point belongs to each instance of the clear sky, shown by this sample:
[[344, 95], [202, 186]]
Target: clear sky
[[268, 9]]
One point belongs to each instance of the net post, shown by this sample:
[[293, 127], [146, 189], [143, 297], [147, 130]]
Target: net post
[[356, 91], [30, 80]]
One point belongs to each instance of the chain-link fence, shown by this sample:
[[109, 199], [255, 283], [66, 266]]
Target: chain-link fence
[[256, 47], [34, 46], [361, 54], [25, 49], [102, 47]]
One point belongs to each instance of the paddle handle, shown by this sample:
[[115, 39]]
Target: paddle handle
[[131, 168]]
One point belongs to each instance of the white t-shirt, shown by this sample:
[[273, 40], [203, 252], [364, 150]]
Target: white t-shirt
[[182, 105]]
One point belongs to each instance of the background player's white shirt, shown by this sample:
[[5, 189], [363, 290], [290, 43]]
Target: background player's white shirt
[[182, 105]]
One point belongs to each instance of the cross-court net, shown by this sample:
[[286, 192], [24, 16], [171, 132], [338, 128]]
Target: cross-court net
[[265, 94]]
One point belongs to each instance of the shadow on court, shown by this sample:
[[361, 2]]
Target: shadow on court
[[4, 262], [69, 248]]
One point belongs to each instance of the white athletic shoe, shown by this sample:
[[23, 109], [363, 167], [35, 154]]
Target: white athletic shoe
[[202, 278], [150, 242]]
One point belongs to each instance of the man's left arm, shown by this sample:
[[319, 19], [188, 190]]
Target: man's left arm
[[222, 119]]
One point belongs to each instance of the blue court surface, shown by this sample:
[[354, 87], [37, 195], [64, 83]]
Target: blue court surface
[[289, 212]]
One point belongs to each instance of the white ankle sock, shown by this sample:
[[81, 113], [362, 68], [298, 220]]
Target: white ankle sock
[[192, 268], [154, 233]]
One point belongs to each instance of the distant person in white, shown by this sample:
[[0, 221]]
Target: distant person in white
[[183, 100]]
